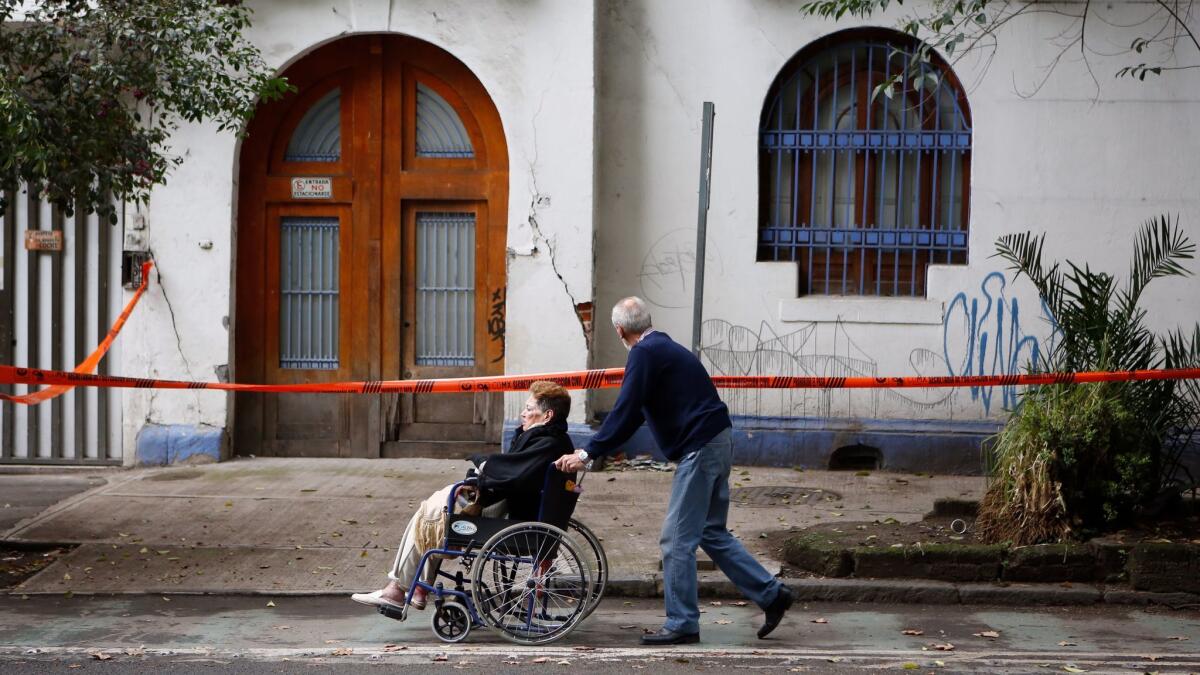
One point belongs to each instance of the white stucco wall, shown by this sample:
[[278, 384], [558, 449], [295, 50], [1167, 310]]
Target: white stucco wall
[[536, 62], [604, 97], [1085, 165]]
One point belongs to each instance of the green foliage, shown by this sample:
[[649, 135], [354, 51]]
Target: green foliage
[[1091, 457], [91, 90]]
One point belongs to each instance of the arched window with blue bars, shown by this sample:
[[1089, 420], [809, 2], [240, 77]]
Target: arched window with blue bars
[[861, 189]]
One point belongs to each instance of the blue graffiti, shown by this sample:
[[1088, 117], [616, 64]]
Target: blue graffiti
[[994, 342]]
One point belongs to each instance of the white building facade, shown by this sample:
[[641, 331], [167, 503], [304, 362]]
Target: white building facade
[[488, 174]]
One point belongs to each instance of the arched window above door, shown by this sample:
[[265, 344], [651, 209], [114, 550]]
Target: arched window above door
[[862, 189], [440, 131], [318, 136]]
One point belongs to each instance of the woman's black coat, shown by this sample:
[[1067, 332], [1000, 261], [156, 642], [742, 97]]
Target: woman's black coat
[[518, 475]]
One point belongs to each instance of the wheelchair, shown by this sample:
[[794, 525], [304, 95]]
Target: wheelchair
[[531, 581]]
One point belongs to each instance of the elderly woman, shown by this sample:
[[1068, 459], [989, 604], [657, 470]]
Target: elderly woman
[[515, 477]]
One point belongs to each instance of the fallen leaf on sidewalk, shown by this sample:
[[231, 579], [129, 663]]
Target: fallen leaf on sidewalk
[[1178, 637], [394, 648], [715, 603], [1066, 643], [75, 665], [912, 631], [939, 647], [910, 666], [135, 651], [1151, 657], [541, 659], [342, 651], [820, 620], [100, 656], [722, 622], [1072, 669], [564, 662], [583, 648], [834, 659], [270, 603], [440, 657], [988, 634], [740, 603]]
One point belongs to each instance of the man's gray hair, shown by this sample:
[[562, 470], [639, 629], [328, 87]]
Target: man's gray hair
[[631, 314]]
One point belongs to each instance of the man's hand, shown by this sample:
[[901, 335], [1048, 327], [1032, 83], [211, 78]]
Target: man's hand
[[568, 463]]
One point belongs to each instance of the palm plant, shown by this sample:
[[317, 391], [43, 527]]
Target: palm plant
[[1074, 459]]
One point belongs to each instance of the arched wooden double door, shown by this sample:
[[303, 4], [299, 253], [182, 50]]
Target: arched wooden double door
[[370, 245]]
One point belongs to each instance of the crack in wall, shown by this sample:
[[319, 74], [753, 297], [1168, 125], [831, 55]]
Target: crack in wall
[[187, 364], [535, 199]]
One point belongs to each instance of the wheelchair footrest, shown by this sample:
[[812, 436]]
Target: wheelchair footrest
[[392, 613]]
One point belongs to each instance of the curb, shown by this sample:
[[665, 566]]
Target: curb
[[888, 591]]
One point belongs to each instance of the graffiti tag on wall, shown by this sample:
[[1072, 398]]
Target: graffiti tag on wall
[[668, 273], [495, 325], [815, 350], [982, 335]]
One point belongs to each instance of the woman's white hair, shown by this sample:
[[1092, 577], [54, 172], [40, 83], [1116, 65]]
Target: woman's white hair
[[631, 314]]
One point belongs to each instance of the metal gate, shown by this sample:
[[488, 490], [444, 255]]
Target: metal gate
[[55, 307]]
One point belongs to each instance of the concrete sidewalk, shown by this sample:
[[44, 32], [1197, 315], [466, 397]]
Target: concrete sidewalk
[[321, 526]]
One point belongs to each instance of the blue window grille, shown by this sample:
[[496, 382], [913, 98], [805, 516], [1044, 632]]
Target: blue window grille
[[864, 191], [318, 136], [308, 293], [445, 302], [440, 131]]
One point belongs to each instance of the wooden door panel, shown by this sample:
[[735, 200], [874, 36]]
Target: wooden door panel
[[377, 182], [312, 416]]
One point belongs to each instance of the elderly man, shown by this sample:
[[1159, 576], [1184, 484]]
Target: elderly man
[[666, 386]]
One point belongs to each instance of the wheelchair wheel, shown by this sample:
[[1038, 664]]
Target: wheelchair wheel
[[451, 622], [530, 583], [597, 562]]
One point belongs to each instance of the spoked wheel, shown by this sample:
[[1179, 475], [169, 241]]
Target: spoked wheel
[[531, 583], [595, 559], [451, 622]]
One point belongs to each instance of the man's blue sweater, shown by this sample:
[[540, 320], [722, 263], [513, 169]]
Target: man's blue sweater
[[666, 386]]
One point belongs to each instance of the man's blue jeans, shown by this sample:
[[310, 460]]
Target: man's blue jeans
[[696, 516]]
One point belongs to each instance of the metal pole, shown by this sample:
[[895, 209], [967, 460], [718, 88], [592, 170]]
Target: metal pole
[[706, 138]]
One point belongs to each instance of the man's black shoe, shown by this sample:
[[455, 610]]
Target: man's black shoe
[[670, 637], [776, 610]]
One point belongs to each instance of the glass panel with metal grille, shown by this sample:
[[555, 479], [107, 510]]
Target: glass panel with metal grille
[[445, 289], [318, 136], [440, 132], [864, 191], [308, 293]]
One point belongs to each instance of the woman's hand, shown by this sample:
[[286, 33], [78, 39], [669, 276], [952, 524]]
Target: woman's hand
[[568, 463]]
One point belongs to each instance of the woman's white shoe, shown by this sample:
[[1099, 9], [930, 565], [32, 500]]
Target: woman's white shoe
[[376, 599]]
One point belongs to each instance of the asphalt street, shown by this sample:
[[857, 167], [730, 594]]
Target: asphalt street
[[251, 634]]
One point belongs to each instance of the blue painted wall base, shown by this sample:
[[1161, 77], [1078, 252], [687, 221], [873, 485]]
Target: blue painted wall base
[[945, 447], [931, 446], [161, 445]]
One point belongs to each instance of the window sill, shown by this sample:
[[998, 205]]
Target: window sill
[[835, 308]]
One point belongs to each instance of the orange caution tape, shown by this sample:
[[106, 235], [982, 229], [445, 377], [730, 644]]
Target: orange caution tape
[[590, 379], [87, 365]]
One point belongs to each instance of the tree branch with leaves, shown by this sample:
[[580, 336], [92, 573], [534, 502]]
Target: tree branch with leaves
[[92, 90], [1162, 39]]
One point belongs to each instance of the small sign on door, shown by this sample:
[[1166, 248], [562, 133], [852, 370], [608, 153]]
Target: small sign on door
[[43, 240], [312, 187]]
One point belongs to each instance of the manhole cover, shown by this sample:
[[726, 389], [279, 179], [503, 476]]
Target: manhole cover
[[780, 495]]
